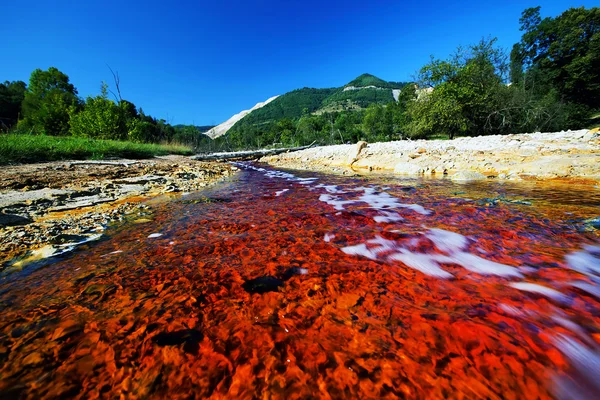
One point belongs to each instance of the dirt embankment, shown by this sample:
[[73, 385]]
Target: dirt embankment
[[559, 155], [48, 208]]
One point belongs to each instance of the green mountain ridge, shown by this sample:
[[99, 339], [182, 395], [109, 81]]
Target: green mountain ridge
[[300, 102], [365, 80]]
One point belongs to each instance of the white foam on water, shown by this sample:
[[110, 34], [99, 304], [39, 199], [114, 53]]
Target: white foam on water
[[381, 245], [280, 192], [328, 237], [539, 289], [584, 262], [334, 201], [333, 189], [587, 287], [511, 310], [360, 250], [570, 325], [383, 200], [111, 253], [482, 266], [592, 248], [154, 235], [421, 262], [446, 240], [586, 362], [388, 216], [306, 181], [417, 208]]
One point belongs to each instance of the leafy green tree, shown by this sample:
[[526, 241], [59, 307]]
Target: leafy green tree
[[11, 97], [47, 102], [566, 52], [463, 95], [101, 118]]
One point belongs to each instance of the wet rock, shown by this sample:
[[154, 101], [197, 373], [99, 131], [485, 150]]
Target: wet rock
[[66, 238], [190, 338], [262, 284], [592, 224], [467, 176], [292, 271], [13, 220]]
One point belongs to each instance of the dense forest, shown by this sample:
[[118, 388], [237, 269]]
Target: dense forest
[[549, 81]]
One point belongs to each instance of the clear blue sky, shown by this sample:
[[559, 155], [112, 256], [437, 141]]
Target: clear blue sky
[[202, 61]]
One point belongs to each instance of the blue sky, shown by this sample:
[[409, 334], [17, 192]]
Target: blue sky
[[199, 62]]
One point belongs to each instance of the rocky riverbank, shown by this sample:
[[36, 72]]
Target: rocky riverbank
[[559, 155], [50, 208]]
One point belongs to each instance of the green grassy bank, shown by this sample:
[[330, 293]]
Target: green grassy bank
[[18, 149]]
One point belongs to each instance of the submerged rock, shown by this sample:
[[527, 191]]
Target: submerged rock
[[190, 338], [465, 176], [406, 168], [263, 284]]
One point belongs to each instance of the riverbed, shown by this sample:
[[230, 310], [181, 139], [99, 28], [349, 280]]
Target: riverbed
[[290, 284]]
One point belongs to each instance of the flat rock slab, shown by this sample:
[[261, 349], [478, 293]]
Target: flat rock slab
[[141, 180], [14, 197], [81, 202]]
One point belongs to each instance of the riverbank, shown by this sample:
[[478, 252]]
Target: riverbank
[[558, 155], [49, 208]]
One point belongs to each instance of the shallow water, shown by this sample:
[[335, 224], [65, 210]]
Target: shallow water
[[294, 285]]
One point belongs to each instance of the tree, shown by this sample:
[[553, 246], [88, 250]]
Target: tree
[[566, 52], [464, 93], [101, 118], [47, 102], [11, 97]]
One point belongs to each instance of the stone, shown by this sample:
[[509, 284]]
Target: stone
[[406, 168], [355, 152], [13, 220], [467, 176]]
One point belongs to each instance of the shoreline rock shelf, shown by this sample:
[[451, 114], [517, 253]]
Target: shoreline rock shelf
[[570, 154], [42, 204]]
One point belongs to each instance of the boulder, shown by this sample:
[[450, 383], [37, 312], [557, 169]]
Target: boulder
[[355, 152]]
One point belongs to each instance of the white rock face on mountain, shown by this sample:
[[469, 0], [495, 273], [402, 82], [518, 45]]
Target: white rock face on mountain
[[395, 92], [360, 87], [222, 129]]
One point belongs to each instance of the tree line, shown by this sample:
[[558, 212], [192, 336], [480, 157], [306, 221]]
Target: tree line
[[50, 105]]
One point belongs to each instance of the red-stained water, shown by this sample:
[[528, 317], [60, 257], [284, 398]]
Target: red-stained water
[[278, 286]]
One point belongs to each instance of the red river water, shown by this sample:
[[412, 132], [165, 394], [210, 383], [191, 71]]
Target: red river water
[[281, 285]]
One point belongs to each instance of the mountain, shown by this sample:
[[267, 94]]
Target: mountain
[[366, 80], [222, 128], [357, 95]]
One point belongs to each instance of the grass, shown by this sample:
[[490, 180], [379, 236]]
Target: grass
[[20, 148]]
